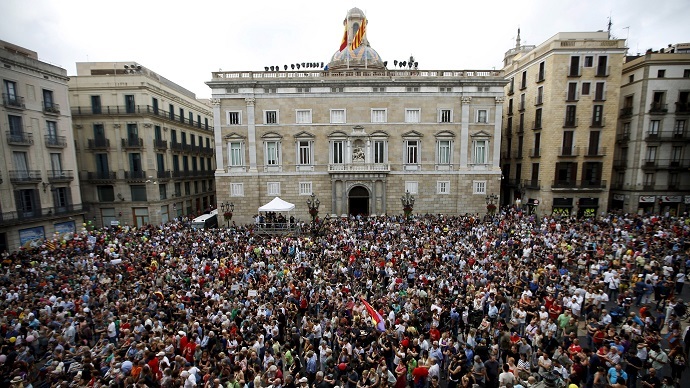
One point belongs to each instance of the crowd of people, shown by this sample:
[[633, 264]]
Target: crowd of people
[[457, 301]]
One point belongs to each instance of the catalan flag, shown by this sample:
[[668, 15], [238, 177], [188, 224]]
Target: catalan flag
[[343, 44], [359, 35], [376, 318]]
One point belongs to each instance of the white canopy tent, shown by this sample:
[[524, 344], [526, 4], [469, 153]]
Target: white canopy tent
[[277, 205]]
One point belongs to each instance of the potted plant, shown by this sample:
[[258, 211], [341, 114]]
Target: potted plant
[[491, 208]]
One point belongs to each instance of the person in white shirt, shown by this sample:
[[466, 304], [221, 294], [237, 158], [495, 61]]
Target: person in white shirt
[[506, 377]]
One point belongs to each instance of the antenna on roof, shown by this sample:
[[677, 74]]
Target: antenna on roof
[[609, 26]]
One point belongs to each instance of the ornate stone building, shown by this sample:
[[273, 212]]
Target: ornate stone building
[[358, 135]]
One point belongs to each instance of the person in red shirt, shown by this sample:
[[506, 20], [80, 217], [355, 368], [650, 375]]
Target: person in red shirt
[[420, 374], [154, 364], [574, 348], [554, 311], [434, 333]]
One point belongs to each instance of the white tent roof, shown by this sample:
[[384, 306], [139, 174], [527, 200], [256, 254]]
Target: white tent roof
[[277, 205]]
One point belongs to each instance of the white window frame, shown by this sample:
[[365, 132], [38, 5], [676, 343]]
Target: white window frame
[[475, 145], [279, 156], [377, 111], [479, 187], [303, 120], [305, 188], [338, 89], [438, 152], [277, 118], [237, 189], [239, 117], [486, 116], [443, 187], [679, 127], [413, 115], [378, 89], [412, 187], [384, 144], [440, 116], [332, 149], [298, 152], [407, 147], [335, 119], [412, 89], [241, 154], [273, 188]]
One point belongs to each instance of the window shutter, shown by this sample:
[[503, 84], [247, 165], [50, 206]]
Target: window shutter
[[18, 201], [36, 201]]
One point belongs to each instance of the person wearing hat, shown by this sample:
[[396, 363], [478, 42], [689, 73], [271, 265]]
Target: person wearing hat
[[17, 382]]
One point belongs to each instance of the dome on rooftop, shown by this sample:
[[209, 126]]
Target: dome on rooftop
[[362, 57]]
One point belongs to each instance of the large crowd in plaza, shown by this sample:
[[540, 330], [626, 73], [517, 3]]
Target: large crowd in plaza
[[457, 301]]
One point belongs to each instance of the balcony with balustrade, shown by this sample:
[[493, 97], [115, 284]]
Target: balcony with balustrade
[[60, 176], [568, 152], [12, 101], [359, 167], [100, 176], [132, 143], [20, 138], [657, 108], [98, 144], [142, 110], [51, 108], [17, 217], [25, 176], [52, 141]]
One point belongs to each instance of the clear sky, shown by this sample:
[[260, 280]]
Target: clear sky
[[185, 41]]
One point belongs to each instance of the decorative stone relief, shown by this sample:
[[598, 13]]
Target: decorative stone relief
[[466, 100], [215, 101]]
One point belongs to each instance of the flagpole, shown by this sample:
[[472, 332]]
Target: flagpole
[[347, 28]]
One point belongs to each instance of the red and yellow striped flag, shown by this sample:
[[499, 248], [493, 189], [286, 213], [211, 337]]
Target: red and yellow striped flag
[[359, 36], [343, 44]]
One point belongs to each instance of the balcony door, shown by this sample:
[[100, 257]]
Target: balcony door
[[27, 203], [21, 164]]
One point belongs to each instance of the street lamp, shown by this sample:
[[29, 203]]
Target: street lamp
[[407, 201], [521, 191], [490, 203], [227, 209], [313, 205]]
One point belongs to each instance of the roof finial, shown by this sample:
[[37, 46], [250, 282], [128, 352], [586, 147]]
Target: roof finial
[[517, 40]]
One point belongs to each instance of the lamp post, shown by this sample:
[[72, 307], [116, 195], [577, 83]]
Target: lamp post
[[490, 203], [407, 201], [521, 191], [313, 205], [227, 209]]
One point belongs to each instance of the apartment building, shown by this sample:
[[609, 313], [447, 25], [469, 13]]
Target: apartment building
[[39, 190], [560, 122], [651, 168], [145, 145]]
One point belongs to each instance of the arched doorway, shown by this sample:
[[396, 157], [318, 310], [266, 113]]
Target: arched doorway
[[358, 201]]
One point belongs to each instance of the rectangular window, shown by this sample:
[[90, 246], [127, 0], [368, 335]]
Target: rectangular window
[[129, 103], [447, 89], [191, 118], [585, 88], [337, 90], [61, 198], [160, 162], [661, 73], [171, 112], [273, 188], [597, 115], [443, 187], [541, 74], [304, 152], [445, 116], [378, 116], [141, 216], [567, 144], [234, 117], [303, 90], [479, 187], [570, 116], [272, 153], [337, 152], [271, 117], [540, 96], [270, 90], [379, 151], [303, 116], [162, 191], [305, 188], [378, 89], [237, 189], [16, 127], [56, 163], [412, 89], [572, 92], [28, 202], [679, 128], [338, 116], [480, 156], [181, 115], [138, 193], [651, 152], [443, 152], [654, 127], [96, 104], [412, 152], [412, 115], [198, 121], [412, 187], [593, 148], [599, 92], [482, 115], [574, 70], [537, 118], [48, 101], [676, 154], [523, 80], [589, 61], [105, 193], [236, 154]]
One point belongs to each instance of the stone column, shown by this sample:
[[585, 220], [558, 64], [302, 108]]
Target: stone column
[[218, 135], [251, 133], [465, 131], [498, 115]]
